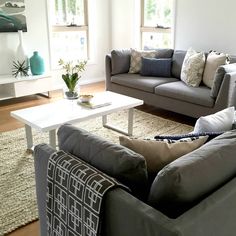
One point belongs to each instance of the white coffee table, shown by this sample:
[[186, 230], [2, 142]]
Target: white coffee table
[[49, 117]]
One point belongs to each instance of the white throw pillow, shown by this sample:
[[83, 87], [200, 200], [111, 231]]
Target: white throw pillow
[[135, 59], [213, 61], [218, 122], [193, 67], [159, 153]]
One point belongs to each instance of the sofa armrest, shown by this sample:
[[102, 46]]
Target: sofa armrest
[[42, 153], [215, 215], [126, 215], [108, 71], [227, 93]]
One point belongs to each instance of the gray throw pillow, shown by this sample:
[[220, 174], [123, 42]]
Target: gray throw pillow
[[120, 61], [177, 62], [187, 180], [115, 160], [159, 67]]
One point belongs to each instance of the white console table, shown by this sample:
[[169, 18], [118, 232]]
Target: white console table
[[11, 87]]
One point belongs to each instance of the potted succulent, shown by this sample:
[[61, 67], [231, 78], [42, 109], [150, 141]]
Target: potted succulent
[[71, 77]]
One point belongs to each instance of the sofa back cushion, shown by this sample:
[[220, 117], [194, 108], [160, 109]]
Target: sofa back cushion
[[187, 180], [119, 162], [177, 62], [120, 61]]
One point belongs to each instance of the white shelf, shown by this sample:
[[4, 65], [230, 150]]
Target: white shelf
[[11, 87]]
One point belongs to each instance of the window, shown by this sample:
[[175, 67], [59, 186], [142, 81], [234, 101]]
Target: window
[[69, 30], [157, 23]]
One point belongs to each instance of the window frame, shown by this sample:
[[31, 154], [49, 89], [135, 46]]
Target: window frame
[[68, 28], [153, 29]]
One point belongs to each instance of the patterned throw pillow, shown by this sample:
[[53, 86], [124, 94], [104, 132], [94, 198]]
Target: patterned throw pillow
[[135, 60], [193, 67], [159, 153], [213, 61]]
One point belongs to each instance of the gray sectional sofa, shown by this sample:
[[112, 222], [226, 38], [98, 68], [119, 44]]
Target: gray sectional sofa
[[171, 93], [193, 196]]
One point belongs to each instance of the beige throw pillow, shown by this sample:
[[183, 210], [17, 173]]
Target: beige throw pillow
[[192, 68], [135, 59], [161, 152], [213, 61]]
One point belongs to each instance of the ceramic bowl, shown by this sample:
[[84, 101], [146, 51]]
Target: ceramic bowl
[[85, 98]]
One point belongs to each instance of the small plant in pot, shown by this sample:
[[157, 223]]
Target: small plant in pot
[[71, 77]]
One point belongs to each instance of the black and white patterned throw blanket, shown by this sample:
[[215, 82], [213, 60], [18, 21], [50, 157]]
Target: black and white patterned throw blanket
[[74, 196]]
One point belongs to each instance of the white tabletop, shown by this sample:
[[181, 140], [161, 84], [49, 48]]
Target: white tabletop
[[52, 115]]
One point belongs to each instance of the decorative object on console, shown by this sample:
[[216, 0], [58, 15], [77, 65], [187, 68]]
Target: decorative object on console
[[72, 77], [159, 153], [213, 61], [21, 54], [36, 64], [20, 69], [193, 67], [218, 122]]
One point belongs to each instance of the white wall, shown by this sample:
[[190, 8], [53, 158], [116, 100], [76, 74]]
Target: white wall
[[206, 25], [125, 23], [37, 38]]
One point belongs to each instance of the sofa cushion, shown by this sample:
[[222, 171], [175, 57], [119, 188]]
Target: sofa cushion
[[177, 62], [213, 61], [159, 153], [164, 53], [184, 182], [180, 91], [159, 67], [117, 161], [144, 83], [135, 60], [120, 61], [219, 76], [219, 122], [193, 67]]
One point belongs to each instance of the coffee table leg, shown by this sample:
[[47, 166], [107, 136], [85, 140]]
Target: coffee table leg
[[52, 138], [29, 137], [130, 123]]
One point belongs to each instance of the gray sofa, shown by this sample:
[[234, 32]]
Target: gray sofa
[[171, 93], [200, 187]]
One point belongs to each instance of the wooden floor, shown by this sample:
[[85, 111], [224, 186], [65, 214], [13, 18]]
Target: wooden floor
[[8, 123]]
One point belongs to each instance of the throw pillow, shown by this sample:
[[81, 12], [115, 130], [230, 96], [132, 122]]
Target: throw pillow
[[159, 153], [220, 121], [213, 61], [120, 61], [210, 135], [192, 69], [135, 60], [156, 67]]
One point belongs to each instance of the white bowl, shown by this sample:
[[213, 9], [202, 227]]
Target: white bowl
[[85, 98]]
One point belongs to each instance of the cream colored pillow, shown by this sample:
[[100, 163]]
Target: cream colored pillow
[[192, 68], [135, 59], [213, 61], [159, 153]]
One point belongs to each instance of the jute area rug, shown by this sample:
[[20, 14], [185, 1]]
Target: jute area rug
[[17, 184]]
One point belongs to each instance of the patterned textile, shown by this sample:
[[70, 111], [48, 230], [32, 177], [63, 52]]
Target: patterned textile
[[74, 197], [193, 67], [135, 59]]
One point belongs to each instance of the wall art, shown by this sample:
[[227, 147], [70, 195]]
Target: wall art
[[12, 16]]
